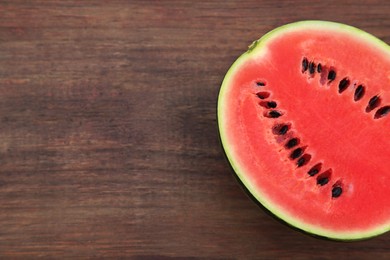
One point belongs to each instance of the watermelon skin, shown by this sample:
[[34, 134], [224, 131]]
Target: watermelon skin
[[259, 157]]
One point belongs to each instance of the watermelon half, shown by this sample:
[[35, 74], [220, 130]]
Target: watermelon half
[[304, 119]]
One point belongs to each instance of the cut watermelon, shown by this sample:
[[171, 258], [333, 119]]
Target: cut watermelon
[[304, 119]]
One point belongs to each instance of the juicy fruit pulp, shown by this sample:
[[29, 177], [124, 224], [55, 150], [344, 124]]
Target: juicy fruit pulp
[[304, 118]]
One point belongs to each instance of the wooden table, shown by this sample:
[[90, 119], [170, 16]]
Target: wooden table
[[108, 136]]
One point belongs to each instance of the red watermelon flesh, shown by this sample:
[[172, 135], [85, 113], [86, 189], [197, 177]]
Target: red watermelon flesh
[[304, 118]]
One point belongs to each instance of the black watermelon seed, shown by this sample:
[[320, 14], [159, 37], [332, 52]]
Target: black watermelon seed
[[283, 130], [274, 114], [280, 129], [271, 104], [292, 143], [260, 83], [312, 67], [315, 169], [319, 67], [359, 93], [324, 177], [373, 103], [263, 95], [303, 160], [381, 112], [343, 85], [322, 181], [331, 75], [296, 153], [336, 191], [305, 64]]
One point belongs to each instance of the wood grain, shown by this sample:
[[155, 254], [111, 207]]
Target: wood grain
[[108, 135]]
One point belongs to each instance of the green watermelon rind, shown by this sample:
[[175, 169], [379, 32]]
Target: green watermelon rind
[[255, 49]]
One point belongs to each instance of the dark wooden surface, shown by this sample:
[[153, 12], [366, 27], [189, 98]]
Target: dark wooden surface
[[108, 135]]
